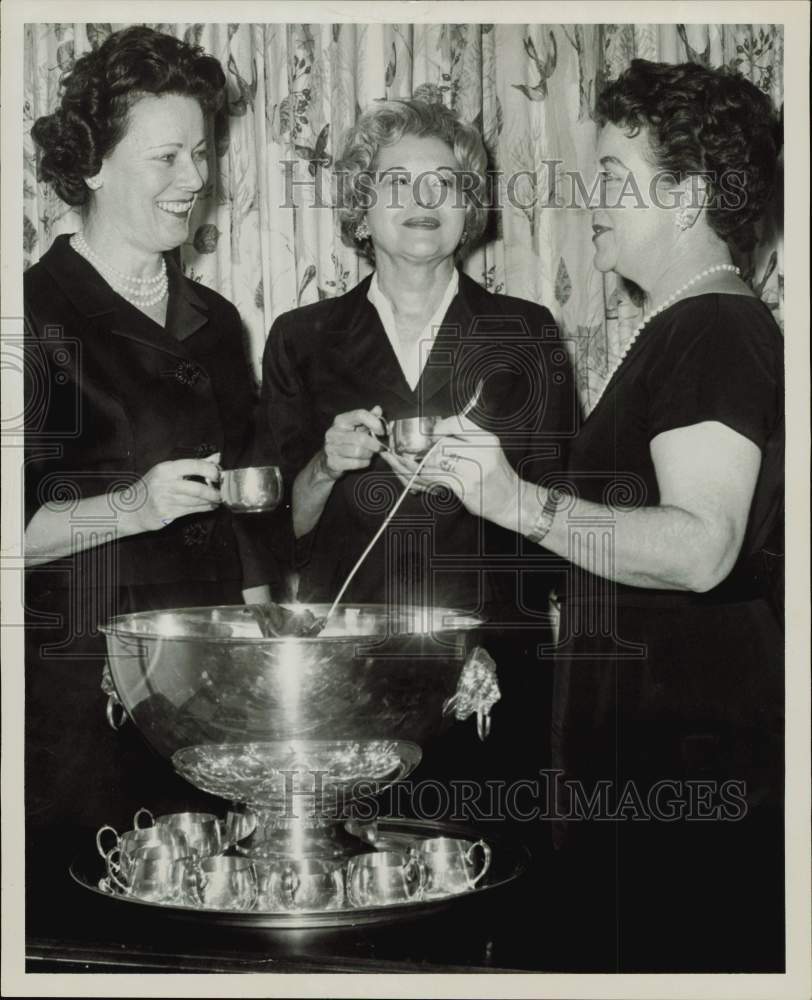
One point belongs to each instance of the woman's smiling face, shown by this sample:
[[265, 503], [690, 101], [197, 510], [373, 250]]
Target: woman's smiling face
[[150, 180], [634, 225], [418, 213]]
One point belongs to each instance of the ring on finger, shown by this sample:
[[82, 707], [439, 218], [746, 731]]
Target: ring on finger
[[449, 463]]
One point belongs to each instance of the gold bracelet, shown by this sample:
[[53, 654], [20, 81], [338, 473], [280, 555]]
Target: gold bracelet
[[546, 516]]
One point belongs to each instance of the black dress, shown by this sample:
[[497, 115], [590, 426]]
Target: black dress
[[334, 356], [674, 701], [109, 393]]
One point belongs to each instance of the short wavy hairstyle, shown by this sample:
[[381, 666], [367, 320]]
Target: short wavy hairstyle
[[98, 93], [386, 123], [701, 121]]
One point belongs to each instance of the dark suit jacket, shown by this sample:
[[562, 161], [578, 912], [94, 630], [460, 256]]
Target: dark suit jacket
[[334, 356], [109, 394]]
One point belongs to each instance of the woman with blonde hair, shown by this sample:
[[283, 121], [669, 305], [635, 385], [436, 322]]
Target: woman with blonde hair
[[417, 337]]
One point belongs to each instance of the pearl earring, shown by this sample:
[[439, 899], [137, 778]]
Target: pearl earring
[[682, 220], [94, 183], [362, 231], [464, 237]]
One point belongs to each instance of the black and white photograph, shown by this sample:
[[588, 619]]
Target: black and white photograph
[[405, 442]]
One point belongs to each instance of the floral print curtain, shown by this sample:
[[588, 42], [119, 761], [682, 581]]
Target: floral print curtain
[[264, 235]]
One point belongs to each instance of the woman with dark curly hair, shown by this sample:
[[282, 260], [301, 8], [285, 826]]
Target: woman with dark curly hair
[[416, 338], [138, 387], [668, 702]]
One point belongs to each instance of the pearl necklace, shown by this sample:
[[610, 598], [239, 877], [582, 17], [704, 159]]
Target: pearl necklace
[[661, 308], [140, 292]]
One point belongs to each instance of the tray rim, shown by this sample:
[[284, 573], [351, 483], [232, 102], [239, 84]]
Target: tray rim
[[516, 852]]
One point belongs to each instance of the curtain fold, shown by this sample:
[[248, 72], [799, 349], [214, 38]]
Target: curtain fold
[[263, 233]]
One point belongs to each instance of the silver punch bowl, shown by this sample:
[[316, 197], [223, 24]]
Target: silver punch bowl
[[293, 728]]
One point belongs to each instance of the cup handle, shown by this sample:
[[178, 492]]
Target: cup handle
[[99, 847], [486, 859], [108, 859], [113, 868], [116, 713], [421, 877], [143, 811]]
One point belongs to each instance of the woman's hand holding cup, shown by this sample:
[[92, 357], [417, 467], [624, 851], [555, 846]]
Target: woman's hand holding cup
[[352, 441], [166, 492], [471, 462]]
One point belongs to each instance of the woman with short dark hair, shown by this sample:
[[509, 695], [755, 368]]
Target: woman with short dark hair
[[137, 390], [98, 94], [670, 667]]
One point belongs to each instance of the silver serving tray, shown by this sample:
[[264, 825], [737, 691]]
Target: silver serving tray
[[509, 863]]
